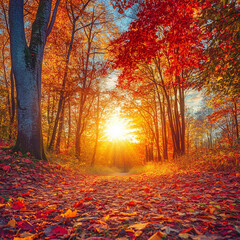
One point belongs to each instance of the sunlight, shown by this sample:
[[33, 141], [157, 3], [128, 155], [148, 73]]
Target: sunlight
[[118, 129]]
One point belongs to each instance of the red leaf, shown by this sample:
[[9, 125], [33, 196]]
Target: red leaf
[[147, 190], [59, 231], [25, 226], [18, 205], [131, 203], [187, 230], [25, 194], [27, 161], [78, 204], [6, 168]]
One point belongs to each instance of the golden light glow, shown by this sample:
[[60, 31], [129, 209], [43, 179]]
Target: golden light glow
[[118, 129]]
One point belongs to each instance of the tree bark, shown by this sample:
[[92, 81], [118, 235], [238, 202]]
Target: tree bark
[[69, 123], [236, 119], [97, 130], [27, 68], [157, 138], [60, 129]]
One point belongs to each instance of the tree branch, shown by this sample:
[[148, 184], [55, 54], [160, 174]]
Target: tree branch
[[52, 19]]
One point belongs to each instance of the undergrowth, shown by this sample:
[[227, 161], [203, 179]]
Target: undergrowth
[[217, 159]]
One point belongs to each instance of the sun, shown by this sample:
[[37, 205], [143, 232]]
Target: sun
[[116, 129]]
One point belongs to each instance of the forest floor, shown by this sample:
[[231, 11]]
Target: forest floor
[[39, 200]]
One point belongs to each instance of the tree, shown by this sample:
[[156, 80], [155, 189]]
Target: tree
[[27, 67], [226, 114], [73, 18], [7, 92], [166, 50], [221, 22]]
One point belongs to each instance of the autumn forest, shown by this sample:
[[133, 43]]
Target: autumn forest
[[116, 117]]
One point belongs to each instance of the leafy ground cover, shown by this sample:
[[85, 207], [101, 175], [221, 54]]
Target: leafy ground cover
[[39, 200]]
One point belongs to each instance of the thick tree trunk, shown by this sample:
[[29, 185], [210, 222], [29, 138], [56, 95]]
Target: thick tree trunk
[[27, 68], [29, 116]]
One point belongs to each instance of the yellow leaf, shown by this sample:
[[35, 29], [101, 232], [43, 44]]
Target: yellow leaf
[[138, 233], [24, 238], [70, 214], [106, 218], [12, 223], [158, 236], [128, 214]]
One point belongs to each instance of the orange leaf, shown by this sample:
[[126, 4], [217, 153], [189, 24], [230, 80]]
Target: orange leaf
[[70, 214], [157, 236]]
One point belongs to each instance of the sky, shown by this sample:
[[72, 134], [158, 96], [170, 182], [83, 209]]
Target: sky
[[193, 100]]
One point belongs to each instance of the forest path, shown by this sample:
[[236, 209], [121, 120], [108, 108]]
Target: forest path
[[47, 202]]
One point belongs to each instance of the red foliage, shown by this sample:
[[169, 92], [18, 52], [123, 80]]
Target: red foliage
[[163, 28]]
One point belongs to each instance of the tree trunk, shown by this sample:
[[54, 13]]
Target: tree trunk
[[236, 119], [27, 68], [97, 131], [62, 93], [164, 131], [69, 124], [182, 114], [13, 105], [156, 130], [80, 125], [60, 129]]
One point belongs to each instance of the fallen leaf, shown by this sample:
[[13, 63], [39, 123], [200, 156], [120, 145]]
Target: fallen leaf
[[139, 226], [186, 230], [70, 214], [6, 168], [25, 226], [27, 235], [58, 231], [78, 204], [131, 203], [158, 236], [19, 205], [12, 223]]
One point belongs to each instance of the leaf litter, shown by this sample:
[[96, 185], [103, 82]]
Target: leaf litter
[[39, 200]]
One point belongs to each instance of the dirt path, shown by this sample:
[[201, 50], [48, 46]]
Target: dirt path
[[38, 204]]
